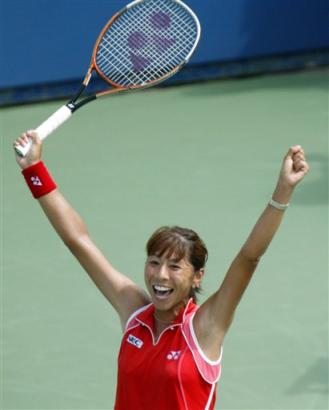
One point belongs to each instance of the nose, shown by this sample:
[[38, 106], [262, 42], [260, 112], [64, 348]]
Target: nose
[[163, 272]]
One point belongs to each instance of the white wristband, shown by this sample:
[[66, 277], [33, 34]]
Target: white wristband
[[277, 205]]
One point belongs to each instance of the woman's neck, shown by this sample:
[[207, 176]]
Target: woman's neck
[[168, 316], [163, 321]]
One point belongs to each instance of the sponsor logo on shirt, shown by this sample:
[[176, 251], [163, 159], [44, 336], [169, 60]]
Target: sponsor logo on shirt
[[173, 355], [133, 340]]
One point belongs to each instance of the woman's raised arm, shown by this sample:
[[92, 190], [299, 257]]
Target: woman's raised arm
[[215, 315], [122, 293]]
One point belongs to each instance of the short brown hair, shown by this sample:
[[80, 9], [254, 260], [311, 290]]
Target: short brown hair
[[178, 242]]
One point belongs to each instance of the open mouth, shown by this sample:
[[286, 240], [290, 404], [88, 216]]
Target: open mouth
[[162, 291]]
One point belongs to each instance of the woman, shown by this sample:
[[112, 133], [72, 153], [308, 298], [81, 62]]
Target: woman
[[171, 349]]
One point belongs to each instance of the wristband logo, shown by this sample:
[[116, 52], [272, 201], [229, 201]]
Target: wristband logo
[[36, 181]]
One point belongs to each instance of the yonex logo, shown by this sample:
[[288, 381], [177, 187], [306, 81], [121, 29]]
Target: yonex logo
[[135, 341], [36, 181], [158, 24], [173, 355]]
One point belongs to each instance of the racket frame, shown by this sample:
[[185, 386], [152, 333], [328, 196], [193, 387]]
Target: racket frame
[[118, 88]]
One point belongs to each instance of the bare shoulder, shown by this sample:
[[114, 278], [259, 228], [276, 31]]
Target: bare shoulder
[[133, 298]]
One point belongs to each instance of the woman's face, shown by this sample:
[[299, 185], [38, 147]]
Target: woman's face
[[169, 281]]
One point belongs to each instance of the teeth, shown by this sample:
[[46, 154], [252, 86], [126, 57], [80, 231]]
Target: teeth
[[161, 288]]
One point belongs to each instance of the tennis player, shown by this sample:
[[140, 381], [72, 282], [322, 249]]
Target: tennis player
[[170, 356]]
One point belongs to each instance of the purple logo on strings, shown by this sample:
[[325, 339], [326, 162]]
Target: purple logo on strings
[[137, 40], [160, 20]]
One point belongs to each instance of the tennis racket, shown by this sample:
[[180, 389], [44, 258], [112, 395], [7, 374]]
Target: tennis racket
[[142, 45]]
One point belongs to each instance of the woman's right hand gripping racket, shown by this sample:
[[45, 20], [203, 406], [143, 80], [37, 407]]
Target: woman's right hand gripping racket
[[143, 44]]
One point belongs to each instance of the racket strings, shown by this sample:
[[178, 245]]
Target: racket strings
[[123, 32], [111, 59], [147, 74], [146, 42], [178, 30], [175, 32], [116, 54]]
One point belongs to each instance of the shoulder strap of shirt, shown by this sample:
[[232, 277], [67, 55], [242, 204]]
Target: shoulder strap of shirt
[[210, 370], [132, 322]]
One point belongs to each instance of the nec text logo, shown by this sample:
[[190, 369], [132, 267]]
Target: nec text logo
[[135, 341]]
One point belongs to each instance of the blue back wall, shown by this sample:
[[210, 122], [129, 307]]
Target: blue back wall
[[45, 41]]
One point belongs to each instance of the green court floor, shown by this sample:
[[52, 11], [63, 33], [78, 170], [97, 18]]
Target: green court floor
[[205, 156]]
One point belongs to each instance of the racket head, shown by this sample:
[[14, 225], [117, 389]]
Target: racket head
[[145, 43]]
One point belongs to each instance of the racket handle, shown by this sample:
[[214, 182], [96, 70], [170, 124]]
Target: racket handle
[[46, 128]]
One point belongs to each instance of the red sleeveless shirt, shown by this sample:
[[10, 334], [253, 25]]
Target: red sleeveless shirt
[[170, 374]]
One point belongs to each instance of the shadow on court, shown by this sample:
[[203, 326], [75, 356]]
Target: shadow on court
[[313, 380]]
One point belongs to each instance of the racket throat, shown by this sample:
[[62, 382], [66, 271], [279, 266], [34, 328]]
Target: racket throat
[[73, 105]]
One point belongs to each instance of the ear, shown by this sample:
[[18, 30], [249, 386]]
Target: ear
[[197, 279]]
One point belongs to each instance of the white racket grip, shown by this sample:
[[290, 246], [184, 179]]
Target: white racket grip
[[53, 122], [46, 128]]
